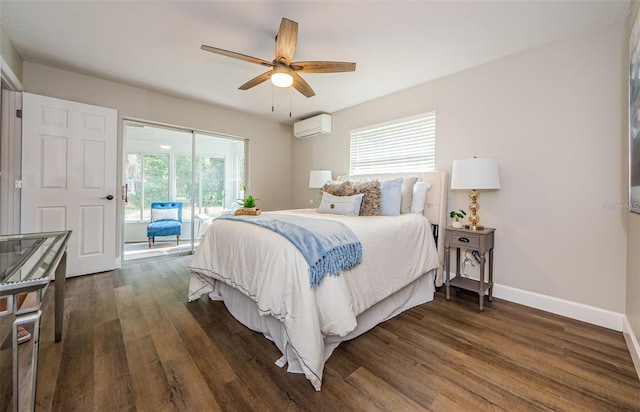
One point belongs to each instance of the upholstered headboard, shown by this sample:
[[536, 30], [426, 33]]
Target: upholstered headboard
[[435, 207]]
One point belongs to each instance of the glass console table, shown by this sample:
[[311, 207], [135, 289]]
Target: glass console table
[[28, 263]]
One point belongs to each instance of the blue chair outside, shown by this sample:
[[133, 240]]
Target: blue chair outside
[[166, 220]]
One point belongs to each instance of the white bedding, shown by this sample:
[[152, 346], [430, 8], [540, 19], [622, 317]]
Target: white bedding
[[397, 250]]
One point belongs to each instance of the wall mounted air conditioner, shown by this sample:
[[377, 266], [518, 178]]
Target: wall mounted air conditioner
[[313, 126]]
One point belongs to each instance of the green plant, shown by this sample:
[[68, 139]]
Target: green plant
[[211, 200], [248, 202], [457, 215]]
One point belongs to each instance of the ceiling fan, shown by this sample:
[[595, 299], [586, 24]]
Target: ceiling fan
[[284, 72]]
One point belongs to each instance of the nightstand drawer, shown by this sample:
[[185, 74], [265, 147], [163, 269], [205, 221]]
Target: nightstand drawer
[[465, 240]]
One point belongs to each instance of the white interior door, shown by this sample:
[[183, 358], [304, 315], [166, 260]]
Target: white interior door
[[69, 178]]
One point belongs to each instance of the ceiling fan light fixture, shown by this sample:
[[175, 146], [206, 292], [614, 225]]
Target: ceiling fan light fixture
[[281, 76]]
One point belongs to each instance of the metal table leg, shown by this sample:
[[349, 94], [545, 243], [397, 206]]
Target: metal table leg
[[61, 274], [33, 317]]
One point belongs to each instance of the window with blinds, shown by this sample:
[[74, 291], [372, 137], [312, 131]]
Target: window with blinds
[[404, 145]]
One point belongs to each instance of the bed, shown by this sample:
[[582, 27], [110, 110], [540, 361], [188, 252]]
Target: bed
[[263, 279]]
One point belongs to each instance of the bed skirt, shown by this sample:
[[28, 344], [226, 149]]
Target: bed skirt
[[246, 312]]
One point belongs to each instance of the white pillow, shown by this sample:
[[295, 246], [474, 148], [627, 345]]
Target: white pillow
[[164, 214], [420, 190], [407, 193], [340, 205]]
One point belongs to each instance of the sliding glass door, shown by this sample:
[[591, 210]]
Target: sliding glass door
[[203, 171]]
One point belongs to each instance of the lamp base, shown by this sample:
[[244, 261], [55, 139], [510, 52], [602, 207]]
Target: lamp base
[[474, 227]]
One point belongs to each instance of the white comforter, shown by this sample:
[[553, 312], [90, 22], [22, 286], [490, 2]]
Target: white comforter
[[266, 267]]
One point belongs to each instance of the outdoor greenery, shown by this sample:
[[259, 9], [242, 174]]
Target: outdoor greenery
[[211, 199], [210, 176], [209, 182], [155, 168]]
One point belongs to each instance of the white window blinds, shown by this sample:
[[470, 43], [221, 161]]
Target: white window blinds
[[404, 145]]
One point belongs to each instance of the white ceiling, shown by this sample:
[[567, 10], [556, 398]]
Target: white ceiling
[[396, 44]]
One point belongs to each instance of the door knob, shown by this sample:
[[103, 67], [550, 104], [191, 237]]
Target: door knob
[[108, 197]]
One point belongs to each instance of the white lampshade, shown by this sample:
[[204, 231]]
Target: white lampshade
[[475, 174], [317, 178]]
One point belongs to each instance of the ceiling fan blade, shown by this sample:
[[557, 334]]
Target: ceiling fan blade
[[286, 41], [236, 55], [302, 86], [256, 81], [323, 67]]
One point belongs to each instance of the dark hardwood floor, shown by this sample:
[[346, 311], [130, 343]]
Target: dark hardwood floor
[[132, 342]]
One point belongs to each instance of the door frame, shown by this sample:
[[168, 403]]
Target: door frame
[[10, 149]]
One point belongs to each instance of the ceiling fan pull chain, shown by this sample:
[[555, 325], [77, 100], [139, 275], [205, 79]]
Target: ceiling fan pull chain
[[289, 102], [272, 105]]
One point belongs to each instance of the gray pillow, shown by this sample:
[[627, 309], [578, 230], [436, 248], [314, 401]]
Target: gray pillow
[[407, 193]]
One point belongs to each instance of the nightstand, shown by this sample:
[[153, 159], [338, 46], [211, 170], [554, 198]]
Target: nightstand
[[472, 240]]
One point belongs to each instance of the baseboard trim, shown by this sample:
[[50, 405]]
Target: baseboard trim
[[632, 344], [573, 310]]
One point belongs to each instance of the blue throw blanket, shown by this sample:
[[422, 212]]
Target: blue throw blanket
[[329, 247]]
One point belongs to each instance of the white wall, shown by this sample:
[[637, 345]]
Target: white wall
[[268, 180], [9, 54], [555, 119]]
